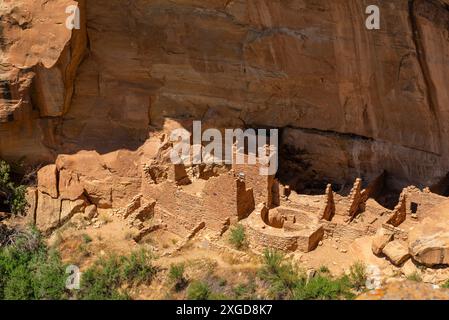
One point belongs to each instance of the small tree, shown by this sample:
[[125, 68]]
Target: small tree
[[280, 274], [357, 275], [176, 276], [13, 196], [238, 237], [138, 267]]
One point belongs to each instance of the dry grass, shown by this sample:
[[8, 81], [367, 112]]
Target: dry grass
[[105, 218]]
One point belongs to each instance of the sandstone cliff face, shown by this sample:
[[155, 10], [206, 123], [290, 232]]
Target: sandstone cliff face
[[353, 101], [38, 61]]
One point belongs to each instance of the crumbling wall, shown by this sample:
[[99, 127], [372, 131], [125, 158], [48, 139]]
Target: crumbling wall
[[400, 212], [263, 186], [328, 211], [419, 202], [245, 199], [356, 199], [347, 232]]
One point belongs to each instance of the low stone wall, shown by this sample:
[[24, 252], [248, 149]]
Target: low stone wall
[[348, 232], [259, 240], [262, 236]]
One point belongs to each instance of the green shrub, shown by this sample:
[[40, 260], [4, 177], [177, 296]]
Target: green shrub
[[237, 237], [102, 281], [358, 276], [49, 277], [18, 202], [138, 268], [86, 238], [280, 275], [240, 291], [324, 269], [13, 195], [198, 290], [286, 282], [18, 285], [28, 270], [106, 277], [176, 276], [245, 291], [445, 285], [323, 287], [415, 276]]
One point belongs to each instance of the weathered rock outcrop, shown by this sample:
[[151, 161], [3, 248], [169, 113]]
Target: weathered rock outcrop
[[429, 240], [39, 58], [381, 239], [396, 252], [368, 99]]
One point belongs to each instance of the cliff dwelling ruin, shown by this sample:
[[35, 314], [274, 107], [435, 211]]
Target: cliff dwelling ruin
[[362, 116]]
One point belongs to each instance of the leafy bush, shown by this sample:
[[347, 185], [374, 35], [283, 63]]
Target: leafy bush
[[29, 270], [18, 202], [105, 279], [176, 276], [198, 290], [49, 277], [358, 276], [415, 276], [281, 275], [286, 282], [245, 291], [13, 195], [273, 262], [102, 281], [237, 237], [240, 291], [137, 268], [322, 287]]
